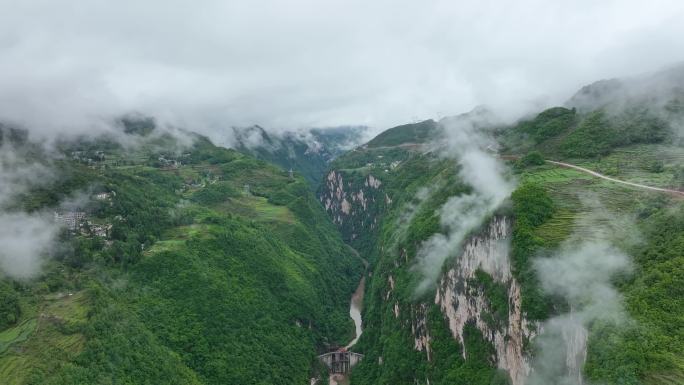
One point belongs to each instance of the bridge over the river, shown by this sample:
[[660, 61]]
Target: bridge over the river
[[340, 361]]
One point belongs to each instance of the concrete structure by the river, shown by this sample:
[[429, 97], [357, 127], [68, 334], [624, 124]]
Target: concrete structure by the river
[[340, 361]]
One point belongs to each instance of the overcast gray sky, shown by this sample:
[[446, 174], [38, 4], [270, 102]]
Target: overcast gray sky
[[68, 65]]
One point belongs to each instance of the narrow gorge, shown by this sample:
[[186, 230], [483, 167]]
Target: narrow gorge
[[477, 300]]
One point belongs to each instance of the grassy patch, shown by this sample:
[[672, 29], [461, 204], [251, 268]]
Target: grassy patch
[[17, 334], [258, 209]]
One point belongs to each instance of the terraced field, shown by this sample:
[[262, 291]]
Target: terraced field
[[17, 334], [648, 164], [586, 204], [53, 338]]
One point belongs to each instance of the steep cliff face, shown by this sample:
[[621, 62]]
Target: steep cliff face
[[471, 326], [420, 329], [463, 299], [474, 320], [354, 202], [473, 323], [575, 337]]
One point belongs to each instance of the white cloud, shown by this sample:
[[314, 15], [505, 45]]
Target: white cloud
[[26, 240], [581, 273], [72, 64], [25, 237]]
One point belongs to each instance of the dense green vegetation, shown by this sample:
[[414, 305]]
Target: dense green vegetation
[[402, 364], [652, 348], [532, 206], [117, 346], [593, 137], [215, 193], [532, 158], [564, 133], [307, 153], [218, 268], [9, 305], [678, 178], [549, 123], [497, 294], [406, 134]]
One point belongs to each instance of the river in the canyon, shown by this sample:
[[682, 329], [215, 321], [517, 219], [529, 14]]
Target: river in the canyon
[[355, 307], [355, 311]]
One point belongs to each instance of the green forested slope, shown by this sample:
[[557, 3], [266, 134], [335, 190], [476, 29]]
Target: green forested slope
[[220, 270]]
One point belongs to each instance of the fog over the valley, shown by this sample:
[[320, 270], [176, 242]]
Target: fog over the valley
[[25, 237], [72, 66]]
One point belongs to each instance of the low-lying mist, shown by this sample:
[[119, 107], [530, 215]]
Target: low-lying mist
[[581, 272], [25, 237], [491, 183]]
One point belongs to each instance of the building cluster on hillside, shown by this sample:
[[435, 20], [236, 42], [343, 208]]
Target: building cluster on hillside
[[198, 182], [169, 163], [101, 231], [104, 196], [171, 160], [77, 223], [89, 157], [72, 220]]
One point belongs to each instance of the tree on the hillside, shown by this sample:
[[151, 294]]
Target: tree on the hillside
[[532, 158]]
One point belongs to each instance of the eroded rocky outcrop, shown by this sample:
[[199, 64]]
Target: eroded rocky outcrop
[[420, 330], [462, 301], [575, 337], [354, 202]]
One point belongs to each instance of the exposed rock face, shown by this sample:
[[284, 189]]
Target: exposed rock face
[[390, 281], [357, 203], [575, 337], [336, 197], [420, 330], [462, 304], [371, 181], [353, 201]]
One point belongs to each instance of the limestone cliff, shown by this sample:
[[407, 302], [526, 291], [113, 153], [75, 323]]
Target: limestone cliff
[[357, 204], [354, 202], [463, 303]]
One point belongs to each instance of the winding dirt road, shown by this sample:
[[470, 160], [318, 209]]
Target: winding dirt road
[[677, 193]]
